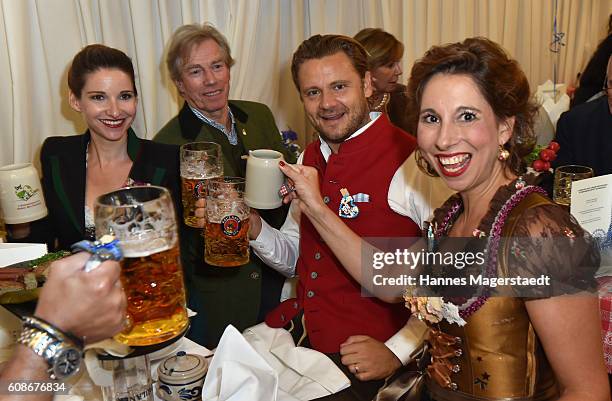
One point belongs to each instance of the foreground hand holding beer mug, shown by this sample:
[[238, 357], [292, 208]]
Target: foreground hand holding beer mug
[[143, 220], [200, 161]]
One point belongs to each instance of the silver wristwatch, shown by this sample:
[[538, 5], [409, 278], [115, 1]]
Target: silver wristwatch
[[61, 354]]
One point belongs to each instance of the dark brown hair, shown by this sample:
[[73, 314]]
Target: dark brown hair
[[319, 46], [500, 80], [93, 58], [382, 47], [185, 38]]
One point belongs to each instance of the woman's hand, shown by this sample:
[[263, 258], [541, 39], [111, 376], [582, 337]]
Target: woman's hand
[[305, 181]]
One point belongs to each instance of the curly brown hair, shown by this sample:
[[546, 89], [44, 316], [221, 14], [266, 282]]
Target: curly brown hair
[[500, 80]]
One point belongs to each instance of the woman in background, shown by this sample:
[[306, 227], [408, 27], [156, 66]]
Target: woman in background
[[384, 56], [108, 156]]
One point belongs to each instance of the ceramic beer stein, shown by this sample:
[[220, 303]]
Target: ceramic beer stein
[[263, 179], [181, 377], [21, 195]]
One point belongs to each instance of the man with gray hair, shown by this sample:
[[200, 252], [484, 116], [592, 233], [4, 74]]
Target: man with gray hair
[[199, 61]]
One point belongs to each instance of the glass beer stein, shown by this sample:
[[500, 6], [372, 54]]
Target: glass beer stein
[[200, 161], [144, 222], [564, 176], [227, 223]]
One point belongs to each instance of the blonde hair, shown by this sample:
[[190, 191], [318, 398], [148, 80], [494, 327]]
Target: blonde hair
[[382, 47], [185, 38]]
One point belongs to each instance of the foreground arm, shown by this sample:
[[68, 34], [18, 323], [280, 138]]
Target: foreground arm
[[569, 329], [88, 305], [376, 360], [278, 249], [347, 246]]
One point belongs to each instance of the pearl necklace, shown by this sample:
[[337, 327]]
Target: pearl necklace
[[383, 102]]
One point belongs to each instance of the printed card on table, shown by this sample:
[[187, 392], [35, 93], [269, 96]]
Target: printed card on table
[[592, 206]]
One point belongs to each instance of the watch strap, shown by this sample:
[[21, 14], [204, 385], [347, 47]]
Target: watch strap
[[47, 342]]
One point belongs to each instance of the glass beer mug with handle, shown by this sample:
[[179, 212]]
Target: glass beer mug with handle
[[200, 161], [226, 239], [144, 222]]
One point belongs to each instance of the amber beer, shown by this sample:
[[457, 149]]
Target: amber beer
[[142, 219], [153, 285], [200, 161], [192, 189], [227, 242]]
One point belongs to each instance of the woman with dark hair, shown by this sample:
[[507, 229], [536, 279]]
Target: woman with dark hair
[[384, 56], [108, 156], [470, 105]]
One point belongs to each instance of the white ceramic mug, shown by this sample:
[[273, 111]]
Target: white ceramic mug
[[21, 195], [263, 179]]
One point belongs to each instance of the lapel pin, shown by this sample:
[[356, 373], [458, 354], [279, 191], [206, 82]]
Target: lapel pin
[[243, 132], [347, 209]]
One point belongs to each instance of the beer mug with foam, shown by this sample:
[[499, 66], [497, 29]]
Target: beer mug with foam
[[227, 223], [200, 161], [144, 222]]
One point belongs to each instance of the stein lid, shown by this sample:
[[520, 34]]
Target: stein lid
[[182, 366]]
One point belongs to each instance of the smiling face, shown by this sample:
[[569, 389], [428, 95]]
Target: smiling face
[[385, 78], [107, 102], [334, 96], [205, 78], [459, 134]]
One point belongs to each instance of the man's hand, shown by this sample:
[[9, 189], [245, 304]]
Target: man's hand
[[86, 304], [254, 224], [368, 359], [200, 212]]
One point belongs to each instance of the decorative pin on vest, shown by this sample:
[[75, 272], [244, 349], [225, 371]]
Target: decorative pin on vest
[[347, 209]]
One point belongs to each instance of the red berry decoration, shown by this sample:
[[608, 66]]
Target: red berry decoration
[[554, 146], [538, 165], [546, 166], [548, 155]]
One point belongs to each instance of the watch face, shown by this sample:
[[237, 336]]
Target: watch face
[[66, 363]]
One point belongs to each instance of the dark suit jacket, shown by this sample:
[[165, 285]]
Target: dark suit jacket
[[240, 296], [585, 136], [63, 182]]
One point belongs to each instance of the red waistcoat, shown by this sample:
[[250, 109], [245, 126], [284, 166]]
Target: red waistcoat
[[331, 299]]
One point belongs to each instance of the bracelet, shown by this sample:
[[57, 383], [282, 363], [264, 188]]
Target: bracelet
[[51, 330]]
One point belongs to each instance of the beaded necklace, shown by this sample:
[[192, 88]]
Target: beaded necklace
[[383, 102], [474, 303]]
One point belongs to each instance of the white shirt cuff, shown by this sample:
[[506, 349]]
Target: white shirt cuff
[[409, 339]]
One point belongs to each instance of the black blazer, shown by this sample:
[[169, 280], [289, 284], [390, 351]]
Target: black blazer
[[64, 174], [585, 136]]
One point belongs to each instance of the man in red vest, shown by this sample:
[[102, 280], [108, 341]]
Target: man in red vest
[[358, 155]]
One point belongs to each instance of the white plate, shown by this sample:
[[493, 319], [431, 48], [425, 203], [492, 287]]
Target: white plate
[[164, 352]]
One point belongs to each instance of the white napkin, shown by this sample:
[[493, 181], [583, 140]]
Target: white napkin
[[238, 373], [11, 253], [554, 99], [304, 373]]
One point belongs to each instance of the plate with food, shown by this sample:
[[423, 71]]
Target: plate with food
[[21, 282]]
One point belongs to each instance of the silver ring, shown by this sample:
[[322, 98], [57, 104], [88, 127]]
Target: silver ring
[[93, 262]]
